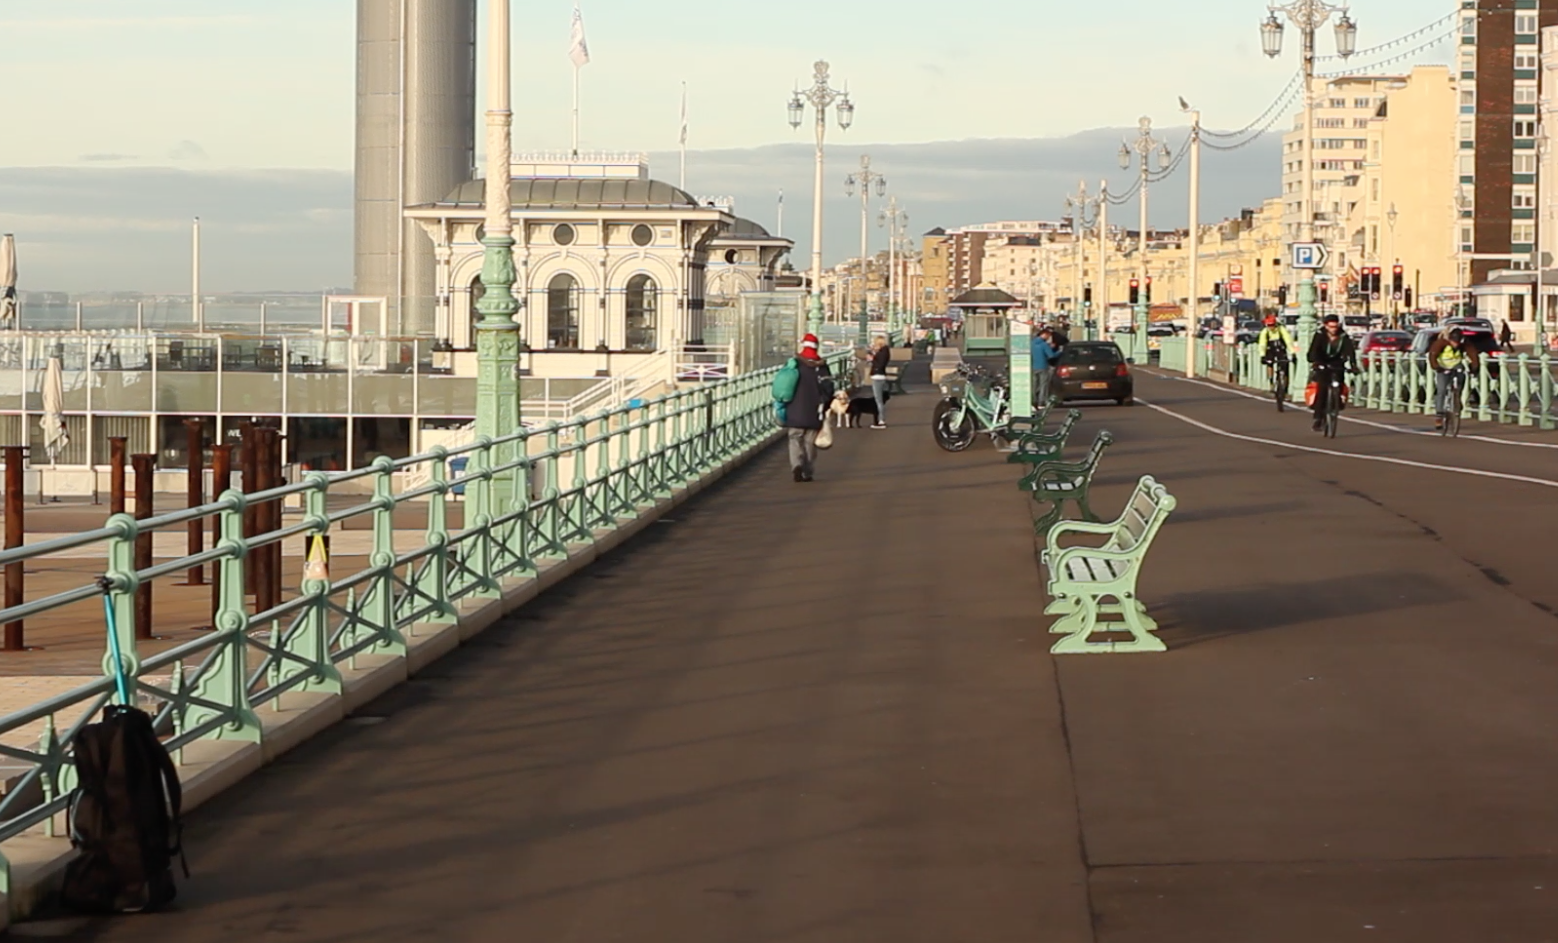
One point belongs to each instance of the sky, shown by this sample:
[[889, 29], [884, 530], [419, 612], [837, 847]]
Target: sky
[[207, 106]]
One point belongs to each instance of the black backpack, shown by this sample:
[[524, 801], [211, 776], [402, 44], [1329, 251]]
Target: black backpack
[[124, 819]]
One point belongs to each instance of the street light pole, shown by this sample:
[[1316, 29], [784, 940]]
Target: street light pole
[[820, 96], [497, 334], [1395, 305], [1145, 146], [895, 219], [1308, 16], [865, 177], [1193, 256], [1100, 308]]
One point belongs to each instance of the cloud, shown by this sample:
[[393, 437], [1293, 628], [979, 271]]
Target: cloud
[[105, 158], [188, 150]]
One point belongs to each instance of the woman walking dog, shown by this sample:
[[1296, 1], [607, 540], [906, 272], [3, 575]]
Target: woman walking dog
[[880, 355]]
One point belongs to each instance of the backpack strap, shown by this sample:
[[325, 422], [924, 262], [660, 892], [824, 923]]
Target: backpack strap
[[175, 792]]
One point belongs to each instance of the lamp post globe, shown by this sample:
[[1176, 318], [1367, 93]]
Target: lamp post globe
[[1271, 36]]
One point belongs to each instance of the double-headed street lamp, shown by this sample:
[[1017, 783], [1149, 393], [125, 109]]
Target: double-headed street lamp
[[865, 178], [1145, 146], [1078, 207], [1308, 16], [820, 96], [897, 221]]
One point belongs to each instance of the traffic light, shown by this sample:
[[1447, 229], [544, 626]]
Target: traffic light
[[1149, 289], [1407, 294], [1217, 290], [1325, 292], [1395, 282], [1282, 296], [1135, 291], [1374, 283], [1087, 294]]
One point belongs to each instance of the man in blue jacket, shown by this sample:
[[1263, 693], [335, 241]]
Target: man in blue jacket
[[1045, 353]]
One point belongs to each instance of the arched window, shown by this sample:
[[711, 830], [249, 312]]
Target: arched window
[[562, 313], [643, 300]]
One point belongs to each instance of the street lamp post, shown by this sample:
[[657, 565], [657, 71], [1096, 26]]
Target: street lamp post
[[497, 334], [865, 177], [1145, 146], [1308, 16], [895, 220], [1193, 255], [1079, 206], [1100, 308], [820, 96]]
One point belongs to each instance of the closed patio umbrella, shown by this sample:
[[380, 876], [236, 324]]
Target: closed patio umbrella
[[55, 438], [8, 279]]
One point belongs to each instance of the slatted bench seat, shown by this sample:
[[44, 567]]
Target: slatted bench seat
[[1081, 578], [1054, 482], [1039, 446]]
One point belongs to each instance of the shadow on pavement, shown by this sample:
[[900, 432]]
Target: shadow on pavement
[[1202, 617]]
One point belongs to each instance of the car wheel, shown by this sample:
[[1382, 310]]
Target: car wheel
[[1126, 401]]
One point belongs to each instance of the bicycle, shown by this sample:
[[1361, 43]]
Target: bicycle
[[1330, 383], [960, 418], [1277, 375], [1455, 381]]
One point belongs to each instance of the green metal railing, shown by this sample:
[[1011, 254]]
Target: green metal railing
[[570, 482], [1506, 388]]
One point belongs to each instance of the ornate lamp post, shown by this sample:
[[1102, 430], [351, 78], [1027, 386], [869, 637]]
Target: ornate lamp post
[[865, 177], [820, 96], [497, 335], [1308, 16], [896, 221], [1145, 146]]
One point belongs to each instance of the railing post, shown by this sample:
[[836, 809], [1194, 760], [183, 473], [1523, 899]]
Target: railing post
[[1483, 410], [122, 595], [479, 514], [434, 583], [311, 641], [224, 678], [221, 481], [522, 530], [194, 440], [579, 456], [1545, 385], [1414, 387], [382, 604], [1504, 414], [1525, 390]]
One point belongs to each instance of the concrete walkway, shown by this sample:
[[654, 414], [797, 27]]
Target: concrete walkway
[[827, 713]]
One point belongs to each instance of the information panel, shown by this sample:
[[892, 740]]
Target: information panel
[[1020, 368]]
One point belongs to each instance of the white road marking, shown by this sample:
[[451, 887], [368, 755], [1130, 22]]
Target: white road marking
[[1364, 422], [1477, 472]]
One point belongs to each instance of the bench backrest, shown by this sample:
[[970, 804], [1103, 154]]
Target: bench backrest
[[1100, 442], [1145, 512]]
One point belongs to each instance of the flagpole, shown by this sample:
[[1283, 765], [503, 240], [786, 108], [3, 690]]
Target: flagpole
[[684, 136], [576, 112]]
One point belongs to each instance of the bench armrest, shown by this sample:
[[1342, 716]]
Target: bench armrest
[[1062, 528]]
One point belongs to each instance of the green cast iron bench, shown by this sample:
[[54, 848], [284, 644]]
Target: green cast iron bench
[[895, 379], [1038, 446], [1027, 425], [1081, 578], [1055, 482]]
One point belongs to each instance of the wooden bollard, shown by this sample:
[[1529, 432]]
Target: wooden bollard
[[116, 446], [14, 529], [194, 431], [264, 599], [143, 466], [248, 468], [221, 481]]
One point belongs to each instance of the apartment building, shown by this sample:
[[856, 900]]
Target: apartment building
[[935, 250], [1499, 67]]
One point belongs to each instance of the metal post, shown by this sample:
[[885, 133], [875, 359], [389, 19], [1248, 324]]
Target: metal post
[[264, 443], [221, 480], [1193, 260], [15, 527], [195, 442], [1101, 294], [820, 96], [497, 335], [116, 456], [143, 465]]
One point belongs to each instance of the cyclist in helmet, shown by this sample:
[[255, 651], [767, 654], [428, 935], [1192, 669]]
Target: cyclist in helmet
[[1332, 351], [1448, 353], [1275, 342]]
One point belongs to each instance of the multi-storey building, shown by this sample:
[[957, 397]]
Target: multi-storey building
[[1500, 76], [935, 252]]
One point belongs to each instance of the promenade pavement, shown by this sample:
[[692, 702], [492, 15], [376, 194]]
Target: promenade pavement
[[827, 712]]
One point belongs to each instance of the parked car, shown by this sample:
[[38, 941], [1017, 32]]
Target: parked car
[[1094, 370], [1375, 341]]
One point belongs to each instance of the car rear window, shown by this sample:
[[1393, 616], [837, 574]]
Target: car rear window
[[1092, 353], [1393, 336]]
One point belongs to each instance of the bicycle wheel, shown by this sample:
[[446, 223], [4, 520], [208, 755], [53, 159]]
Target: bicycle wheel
[[1452, 422], [1332, 413], [954, 436], [1279, 386]]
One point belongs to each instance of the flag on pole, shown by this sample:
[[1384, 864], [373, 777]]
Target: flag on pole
[[579, 51]]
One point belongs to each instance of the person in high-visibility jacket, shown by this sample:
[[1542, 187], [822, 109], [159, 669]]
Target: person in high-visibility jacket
[[1447, 354]]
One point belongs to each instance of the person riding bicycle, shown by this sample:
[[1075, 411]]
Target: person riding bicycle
[[1448, 353], [1275, 342], [1332, 351]]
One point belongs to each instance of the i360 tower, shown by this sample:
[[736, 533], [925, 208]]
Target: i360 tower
[[416, 142]]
